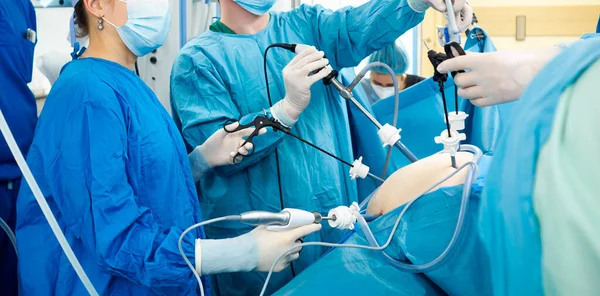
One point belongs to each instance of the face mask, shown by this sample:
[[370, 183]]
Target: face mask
[[383, 92], [147, 25], [256, 7]]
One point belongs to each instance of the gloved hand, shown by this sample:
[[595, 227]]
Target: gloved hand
[[255, 250], [462, 11], [220, 148], [270, 244], [497, 77], [297, 79]]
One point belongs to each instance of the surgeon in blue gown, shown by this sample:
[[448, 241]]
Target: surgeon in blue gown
[[218, 77], [18, 106], [114, 170]]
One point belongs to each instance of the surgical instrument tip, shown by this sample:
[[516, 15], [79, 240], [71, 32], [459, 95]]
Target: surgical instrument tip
[[332, 218], [453, 159], [426, 45]]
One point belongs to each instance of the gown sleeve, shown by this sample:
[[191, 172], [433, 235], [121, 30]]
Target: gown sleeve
[[98, 204], [203, 104], [349, 35]]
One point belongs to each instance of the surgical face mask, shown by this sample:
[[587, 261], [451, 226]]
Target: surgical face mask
[[147, 25], [382, 92], [256, 7]]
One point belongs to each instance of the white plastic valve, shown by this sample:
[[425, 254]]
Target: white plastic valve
[[457, 121], [359, 169], [297, 218], [389, 135], [345, 217], [450, 143]]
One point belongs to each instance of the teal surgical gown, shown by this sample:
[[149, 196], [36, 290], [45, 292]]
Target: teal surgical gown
[[114, 170], [218, 76]]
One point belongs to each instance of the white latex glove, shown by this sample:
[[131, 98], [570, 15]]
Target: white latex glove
[[220, 148], [497, 77], [255, 250], [271, 244], [462, 11], [297, 79]]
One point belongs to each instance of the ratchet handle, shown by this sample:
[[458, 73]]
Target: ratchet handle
[[453, 50]]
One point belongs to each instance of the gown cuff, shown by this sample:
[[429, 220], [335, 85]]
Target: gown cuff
[[226, 255], [280, 115], [198, 164], [418, 5]]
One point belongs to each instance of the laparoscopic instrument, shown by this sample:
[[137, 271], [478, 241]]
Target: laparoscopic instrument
[[357, 168], [455, 122], [281, 221], [389, 134]]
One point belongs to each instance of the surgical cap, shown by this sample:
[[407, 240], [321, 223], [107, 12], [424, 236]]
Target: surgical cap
[[393, 55]]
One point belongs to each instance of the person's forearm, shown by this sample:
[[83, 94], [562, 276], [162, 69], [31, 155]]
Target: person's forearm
[[349, 35]]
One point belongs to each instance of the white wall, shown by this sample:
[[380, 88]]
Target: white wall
[[52, 33], [53, 30]]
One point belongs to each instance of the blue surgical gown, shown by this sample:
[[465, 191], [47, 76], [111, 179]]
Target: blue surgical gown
[[18, 106], [509, 225], [114, 170], [219, 76]]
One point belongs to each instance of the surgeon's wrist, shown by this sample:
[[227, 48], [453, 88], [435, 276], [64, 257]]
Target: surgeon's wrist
[[199, 163], [284, 115], [419, 6]]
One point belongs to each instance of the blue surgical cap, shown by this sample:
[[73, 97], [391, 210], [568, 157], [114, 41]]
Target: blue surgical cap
[[393, 55]]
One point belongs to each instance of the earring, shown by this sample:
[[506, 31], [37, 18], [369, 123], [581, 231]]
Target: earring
[[100, 26]]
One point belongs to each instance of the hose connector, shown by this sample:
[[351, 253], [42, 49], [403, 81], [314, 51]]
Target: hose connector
[[389, 135], [344, 217], [457, 120], [359, 169]]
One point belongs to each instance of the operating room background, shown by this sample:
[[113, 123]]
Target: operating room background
[[515, 24]]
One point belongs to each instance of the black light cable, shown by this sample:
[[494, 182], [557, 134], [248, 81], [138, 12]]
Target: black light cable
[[137, 70], [455, 97], [286, 46], [441, 84]]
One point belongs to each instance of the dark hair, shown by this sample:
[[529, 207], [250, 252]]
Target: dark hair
[[81, 20]]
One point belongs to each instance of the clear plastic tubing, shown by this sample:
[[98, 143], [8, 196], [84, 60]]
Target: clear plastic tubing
[[11, 235], [437, 262]]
